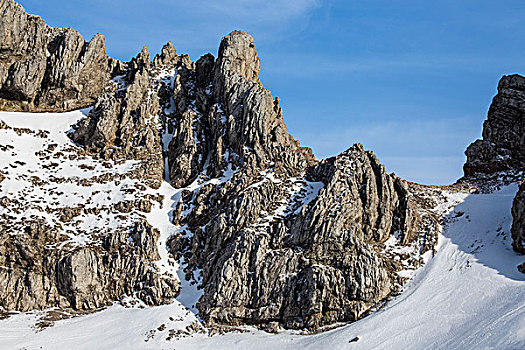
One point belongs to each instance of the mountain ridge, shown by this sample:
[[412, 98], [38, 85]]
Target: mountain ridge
[[273, 236]]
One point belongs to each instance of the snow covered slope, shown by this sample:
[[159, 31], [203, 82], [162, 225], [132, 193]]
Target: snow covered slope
[[43, 168], [469, 296]]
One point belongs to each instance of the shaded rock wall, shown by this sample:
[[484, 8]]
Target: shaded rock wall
[[502, 148], [124, 122], [518, 220], [304, 264]]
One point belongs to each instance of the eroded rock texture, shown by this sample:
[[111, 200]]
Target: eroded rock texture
[[502, 147], [278, 236], [101, 249], [303, 251], [35, 276], [48, 69], [518, 223], [73, 227], [125, 122], [225, 117], [269, 233], [501, 151]]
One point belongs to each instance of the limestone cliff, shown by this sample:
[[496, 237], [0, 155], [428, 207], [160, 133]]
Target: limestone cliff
[[277, 235], [48, 69], [267, 231], [501, 151], [502, 147]]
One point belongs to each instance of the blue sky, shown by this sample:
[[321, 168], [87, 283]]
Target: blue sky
[[411, 80]]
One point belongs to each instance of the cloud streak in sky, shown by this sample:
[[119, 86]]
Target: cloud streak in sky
[[196, 27], [270, 11]]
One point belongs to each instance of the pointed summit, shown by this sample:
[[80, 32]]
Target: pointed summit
[[237, 53], [168, 54], [143, 58]]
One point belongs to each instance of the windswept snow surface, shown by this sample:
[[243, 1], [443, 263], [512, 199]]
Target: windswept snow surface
[[468, 296]]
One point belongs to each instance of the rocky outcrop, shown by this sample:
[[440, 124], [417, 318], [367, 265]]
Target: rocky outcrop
[[225, 116], [375, 202], [518, 223], [36, 276], [502, 147], [272, 245], [278, 237], [48, 69], [303, 253], [126, 121], [501, 151], [254, 127]]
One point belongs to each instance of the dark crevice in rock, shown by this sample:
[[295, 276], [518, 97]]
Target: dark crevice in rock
[[518, 222]]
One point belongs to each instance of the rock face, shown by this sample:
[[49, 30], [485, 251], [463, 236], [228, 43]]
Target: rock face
[[503, 144], [502, 148], [313, 257], [224, 116], [274, 236], [518, 220], [41, 267], [37, 277], [125, 120], [518, 223], [73, 230], [48, 69]]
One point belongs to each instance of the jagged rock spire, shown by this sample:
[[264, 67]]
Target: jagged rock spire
[[237, 54], [48, 69], [503, 144], [501, 151]]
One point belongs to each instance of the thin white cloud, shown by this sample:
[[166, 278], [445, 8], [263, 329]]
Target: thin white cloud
[[196, 27], [270, 11]]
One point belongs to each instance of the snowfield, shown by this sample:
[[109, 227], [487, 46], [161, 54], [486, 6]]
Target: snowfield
[[468, 296]]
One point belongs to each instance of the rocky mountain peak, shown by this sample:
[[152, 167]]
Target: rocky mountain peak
[[501, 150], [48, 69], [168, 55], [502, 146], [275, 235], [237, 54], [143, 58]]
